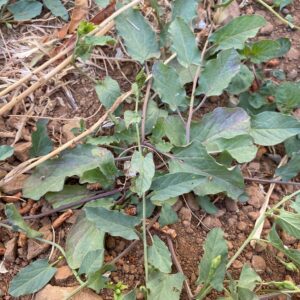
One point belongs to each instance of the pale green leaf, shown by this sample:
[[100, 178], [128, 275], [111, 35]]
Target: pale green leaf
[[97, 281], [144, 166], [129, 296], [108, 91], [184, 43], [159, 255], [25, 9], [164, 286], [296, 204], [218, 73], [241, 82], [287, 96], [167, 215], [235, 33], [113, 222], [212, 266], [83, 238], [289, 222], [140, 39], [174, 130], [264, 50], [17, 222], [248, 278], [57, 9], [92, 262], [50, 175], [102, 3], [207, 205], [186, 9], [291, 169], [292, 145], [6, 152], [3, 2], [131, 117], [282, 3], [41, 143], [31, 278], [167, 84], [271, 128]]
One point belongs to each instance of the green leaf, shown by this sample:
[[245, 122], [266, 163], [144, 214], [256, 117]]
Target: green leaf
[[289, 222], [292, 145], [131, 117], [296, 204], [165, 286], [287, 96], [159, 255], [70, 193], [184, 43], [3, 2], [17, 222], [50, 176], [57, 9], [291, 169], [186, 9], [83, 238], [41, 143], [264, 50], [6, 152], [108, 90], [206, 204], [218, 73], [271, 128], [140, 39], [97, 281], [174, 130], [92, 262], [25, 9], [194, 159], [145, 168], [167, 84], [102, 3], [212, 267], [129, 296], [248, 278], [167, 215], [282, 3], [32, 278], [113, 222], [235, 33], [241, 82]]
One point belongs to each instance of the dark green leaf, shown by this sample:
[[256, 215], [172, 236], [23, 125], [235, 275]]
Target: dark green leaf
[[41, 143], [186, 9], [167, 84], [235, 33], [32, 278], [145, 168], [167, 215], [16, 220], [108, 91], [291, 169], [264, 50], [212, 266], [296, 204], [292, 145], [131, 117], [83, 238], [6, 152], [159, 255], [140, 39], [113, 222], [184, 43], [241, 82], [97, 281], [57, 9], [287, 96], [102, 3], [271, 128], [92, 262], [248, 278], [207, 205], [282, 3], [50, 176], [174, 130], [165, 286], [25, 9], [218, 73], [289, 222]]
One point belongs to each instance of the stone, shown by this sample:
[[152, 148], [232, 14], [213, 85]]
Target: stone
[[192, 202], [259, 264], [126, 268], [63, 274], [267, 29], [11, 250], [22, 151], [229, 245], [231, 205], [110, 243], [293, 54], [253, 215], [178, 205], [242, 226], [237, 264], [267, 224], [256, 196], [292, 75], [120, 246], [50, 292], [211, 222], [185, 214], [224, 15], [288, 239], [15, 185]]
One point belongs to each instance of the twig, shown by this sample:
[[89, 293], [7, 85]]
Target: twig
[[267, 181], [145, 106], [179, 268]]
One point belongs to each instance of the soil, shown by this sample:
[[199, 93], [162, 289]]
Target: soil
[[237, 220]]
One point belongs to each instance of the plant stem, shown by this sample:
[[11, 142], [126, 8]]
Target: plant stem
[[205, 292], [77, 290], [277, 15]]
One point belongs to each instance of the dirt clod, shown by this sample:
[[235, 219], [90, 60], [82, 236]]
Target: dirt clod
[[259, 264], [211, 222], [63, 274], [11, 250]]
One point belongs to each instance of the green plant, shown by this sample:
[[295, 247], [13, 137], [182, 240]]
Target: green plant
[[164, 128]]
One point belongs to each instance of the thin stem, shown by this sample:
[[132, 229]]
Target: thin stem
[[145, 239], [77, 290], [145, 106], [267, 181]]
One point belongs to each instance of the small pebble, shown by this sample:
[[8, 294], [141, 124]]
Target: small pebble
[[237, 264], [259, 264]]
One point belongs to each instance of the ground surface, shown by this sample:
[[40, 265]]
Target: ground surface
[[53, 101]]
